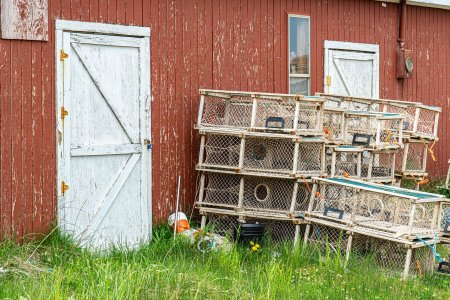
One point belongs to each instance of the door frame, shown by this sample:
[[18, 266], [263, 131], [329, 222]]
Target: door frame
[[360, 47], [62, 70]]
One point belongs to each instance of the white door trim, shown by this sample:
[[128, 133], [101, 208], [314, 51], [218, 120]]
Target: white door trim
[[359, 47], [102, 28], [62, 41]]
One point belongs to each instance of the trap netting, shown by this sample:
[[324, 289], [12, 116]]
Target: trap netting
[[333, 125], [219, 190], [391, 256], [225, 111], [268, 195], [350, 103], [378, 166], [326, 240], [407, 110], [221, 151], [260, 111], [269, 155], [380, 129], [427, 122], [343, 161], [382, 210], [310, 160], [444, 218], [412, 158], [226, 225]]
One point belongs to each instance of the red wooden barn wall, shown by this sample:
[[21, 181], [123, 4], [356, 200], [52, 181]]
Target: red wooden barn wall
[[220, 44]]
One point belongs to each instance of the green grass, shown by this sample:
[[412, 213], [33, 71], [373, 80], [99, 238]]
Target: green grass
[[167, 269]]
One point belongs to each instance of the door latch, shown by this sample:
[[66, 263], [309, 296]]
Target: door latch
[[148, 143]]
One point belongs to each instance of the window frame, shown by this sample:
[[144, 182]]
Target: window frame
[[300, 16]]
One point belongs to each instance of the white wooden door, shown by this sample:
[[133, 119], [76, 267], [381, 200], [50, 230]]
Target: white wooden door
[[351, 69], [104, 150]]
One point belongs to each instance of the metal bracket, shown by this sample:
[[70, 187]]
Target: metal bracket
[[63, 55], [64, 113], [64, 187]]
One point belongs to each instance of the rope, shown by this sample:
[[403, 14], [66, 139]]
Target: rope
[[430, 149], [433, 248], [346, 175], [329, 133], [307, 185], [419, 267], [421, 182]]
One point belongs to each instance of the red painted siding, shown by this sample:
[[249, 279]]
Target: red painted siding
[[220, 44]]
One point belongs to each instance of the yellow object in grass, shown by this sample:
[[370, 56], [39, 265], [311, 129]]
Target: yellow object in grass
[[251, 243], [254, 248]]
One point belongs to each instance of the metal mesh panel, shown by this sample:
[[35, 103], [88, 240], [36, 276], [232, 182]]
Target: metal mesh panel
[[425, 125], [233, 112], [445, 218], [222, 151], [302, 198], [360, 124], [332, 124], [309, 119], [268, 108], [389, 133], [346, 164], [221, 189], [221, 224], [269, 155], [408, 112], [327, 239], [391, 256], [382, 163], [414, 158], [310, 159], [268, 194]]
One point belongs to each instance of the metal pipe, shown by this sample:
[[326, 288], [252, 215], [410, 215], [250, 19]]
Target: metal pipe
[[402, 25]]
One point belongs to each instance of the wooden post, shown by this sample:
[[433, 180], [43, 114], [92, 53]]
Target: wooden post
[[202, 149], [241, 154], [436, 122], [297, 235], [448, 175], [425, 155], [241, 193], [200, 110], [295, 160], [405, 157], [369, 169], [202, 188], [333, 164], [296, 115], [203, 222], [407, 263], [411, 218], [254, 111], [305, 238], [359, 164], [378, 135], [323, 162], [349, 247], [294, 198], [392, 165], [416, 120]]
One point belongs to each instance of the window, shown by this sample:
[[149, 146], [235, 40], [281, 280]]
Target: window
[[299, 65]]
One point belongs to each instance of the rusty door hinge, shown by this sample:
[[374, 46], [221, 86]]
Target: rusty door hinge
[[63, 55], [328, 80], [64, 187], [64, 112]]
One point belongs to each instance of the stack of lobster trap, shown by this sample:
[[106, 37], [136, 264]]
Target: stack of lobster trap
[[258, 151], [321, 167]]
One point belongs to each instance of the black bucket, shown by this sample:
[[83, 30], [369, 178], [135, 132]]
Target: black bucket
[[245, 232]]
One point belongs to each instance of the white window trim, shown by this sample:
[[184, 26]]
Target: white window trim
[[309, 54]]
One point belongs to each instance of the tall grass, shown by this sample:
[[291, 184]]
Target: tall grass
[[168, 269]]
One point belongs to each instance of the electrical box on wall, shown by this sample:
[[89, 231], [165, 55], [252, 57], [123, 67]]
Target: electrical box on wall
[[405, 63]]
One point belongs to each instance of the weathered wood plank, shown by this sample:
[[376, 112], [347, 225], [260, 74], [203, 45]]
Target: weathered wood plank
[[24, 19]]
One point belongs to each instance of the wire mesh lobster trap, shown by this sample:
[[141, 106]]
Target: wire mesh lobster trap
[[385, 211], [412, 159], [376, 130], [227, 225], [283, 156], [444, 218], [420, 120], [260, 112], [378, 165], [253, 196], [407, 257], [333, 125], [343, 161]]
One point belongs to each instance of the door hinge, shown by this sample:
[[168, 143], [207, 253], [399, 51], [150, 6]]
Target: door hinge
[[63, 55], [64, 113], [328, 80], [64, 187]]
